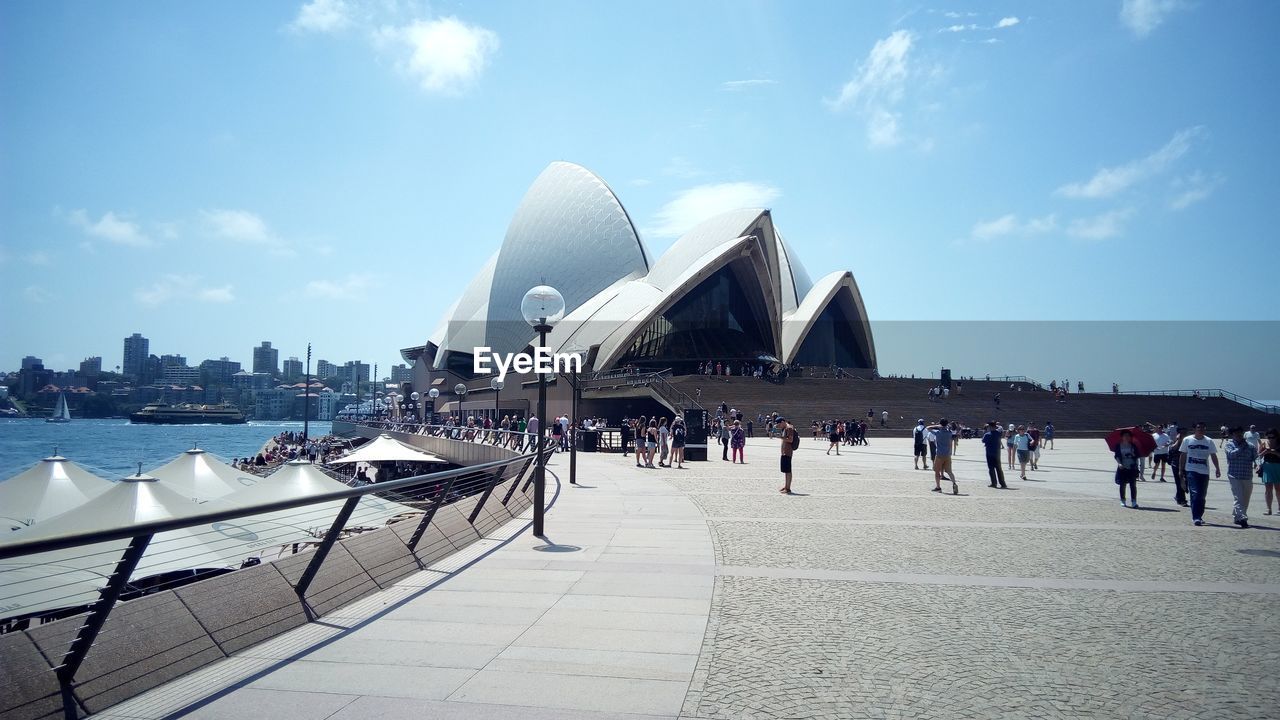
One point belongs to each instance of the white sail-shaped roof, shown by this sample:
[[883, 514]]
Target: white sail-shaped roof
[[51, 486], [385, 448], [200, 476]]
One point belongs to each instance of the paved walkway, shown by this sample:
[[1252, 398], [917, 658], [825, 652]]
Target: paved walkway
[[704, 593]]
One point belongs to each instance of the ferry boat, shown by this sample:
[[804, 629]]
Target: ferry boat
[[188, 414]]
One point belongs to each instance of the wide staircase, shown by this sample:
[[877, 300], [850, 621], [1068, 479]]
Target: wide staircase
[[805, 399]]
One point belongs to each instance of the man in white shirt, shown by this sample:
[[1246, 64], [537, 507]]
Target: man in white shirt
[[1252, 438], [1197, 450], [1160, 458]]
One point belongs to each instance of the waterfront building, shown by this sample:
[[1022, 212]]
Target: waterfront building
[[401, 374], [91, 367], [136, 350], [218, 372], [180, 375], [326, 370], [266, 359], [292, 369], [355, 372], [31, 361]]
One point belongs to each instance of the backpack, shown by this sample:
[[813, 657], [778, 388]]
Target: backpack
[[795, 439], [919, 436]]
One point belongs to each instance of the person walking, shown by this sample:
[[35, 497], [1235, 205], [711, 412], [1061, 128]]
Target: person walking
[[1008, 435], [650, 444], [1127, 471], [1022, 446], [942, 463], [884, 418], [1270, 470], [641, 432], [1160, 457], [918, 436], [1048, 435], [677, 443], [723, 435], [790, 440], [1176, 435], [1197, 450], [991, 442], [833, 436], [1034, 446], [1240, 457], [664, 436], [738, 441]]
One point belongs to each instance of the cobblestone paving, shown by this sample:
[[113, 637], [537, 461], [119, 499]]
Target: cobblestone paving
[[807, 647]]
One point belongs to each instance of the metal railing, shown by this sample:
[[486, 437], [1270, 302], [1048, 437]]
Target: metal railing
[[1207, 393], [509, 439], [657, 381], [428, 492]]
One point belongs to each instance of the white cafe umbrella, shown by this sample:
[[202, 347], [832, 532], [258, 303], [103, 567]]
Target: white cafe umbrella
[[385, 448], [51, 486], [200, 476], [300, 478]]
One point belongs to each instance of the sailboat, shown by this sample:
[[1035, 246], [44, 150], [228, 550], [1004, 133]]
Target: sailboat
[[60, 414]]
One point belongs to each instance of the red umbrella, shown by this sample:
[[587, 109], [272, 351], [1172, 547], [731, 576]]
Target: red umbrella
[[1142, 440]]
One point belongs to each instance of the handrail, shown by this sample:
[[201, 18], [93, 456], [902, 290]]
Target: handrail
[[1206, 393], [657, 380], [22, 547]]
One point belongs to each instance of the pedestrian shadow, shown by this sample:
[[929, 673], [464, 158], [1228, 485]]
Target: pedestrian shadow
[[1260, 552], [1148, 508], [580, 485], [796, 494]]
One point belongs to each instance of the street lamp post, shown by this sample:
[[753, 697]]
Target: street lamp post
[[414, 397], [497, 386], [542, 307], [461, 391], [306, 401], [433, 393]]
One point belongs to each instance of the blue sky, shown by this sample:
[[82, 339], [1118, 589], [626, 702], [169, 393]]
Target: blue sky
[[217, 174]]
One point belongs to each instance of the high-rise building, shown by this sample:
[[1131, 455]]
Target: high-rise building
[[401, 374], [326, 370], [293, 369], [31, 361], [218, 372], [355, 372], [266, 359], [152, 370], [91, 367], [136, 349], [168, 361]]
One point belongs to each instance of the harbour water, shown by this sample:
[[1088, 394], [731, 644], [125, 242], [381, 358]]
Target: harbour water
[[113, 448]]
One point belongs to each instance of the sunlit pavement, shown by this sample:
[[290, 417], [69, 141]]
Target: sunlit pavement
[[705, 593]]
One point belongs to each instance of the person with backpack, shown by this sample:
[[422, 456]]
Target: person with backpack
[[921, 449], [738, 441], [677, 443], [942, 463], [790, 443], [833, 436]]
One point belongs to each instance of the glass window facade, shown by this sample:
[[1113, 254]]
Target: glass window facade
[[831, 341], [721, 319]]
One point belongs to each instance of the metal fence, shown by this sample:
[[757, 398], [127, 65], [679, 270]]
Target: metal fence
[[1208, 393], [424, 495]]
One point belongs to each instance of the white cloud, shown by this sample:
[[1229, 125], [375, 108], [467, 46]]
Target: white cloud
[[955, 15], [1100, 227], [878, 86], [746, 84], [180, 288], [222, 294], [355, 286], [704, 201], [322, 16], [445, 55], [681, 167], [243, 226], [958, 28], [1010, 226], [1007, 22], [35, 294], [38, 258], [1193, 188], [1144, 16], [112, 228], [882, 129], [1108, 182]]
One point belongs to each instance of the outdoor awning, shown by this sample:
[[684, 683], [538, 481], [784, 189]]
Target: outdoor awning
[[200, 476], [64, 578], [385, 448], [51, 486]]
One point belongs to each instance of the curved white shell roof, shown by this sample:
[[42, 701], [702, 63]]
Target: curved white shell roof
[[571, 232]]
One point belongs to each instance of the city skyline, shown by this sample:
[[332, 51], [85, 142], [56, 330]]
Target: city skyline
[[334, 172]]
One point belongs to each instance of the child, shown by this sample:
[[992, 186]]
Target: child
[[1127, 467], [737, 441]]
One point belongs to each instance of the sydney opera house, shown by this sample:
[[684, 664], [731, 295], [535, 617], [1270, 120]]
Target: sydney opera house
[[730, 290]]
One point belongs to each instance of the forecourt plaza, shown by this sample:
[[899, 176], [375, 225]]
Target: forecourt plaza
[[704, 593]]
